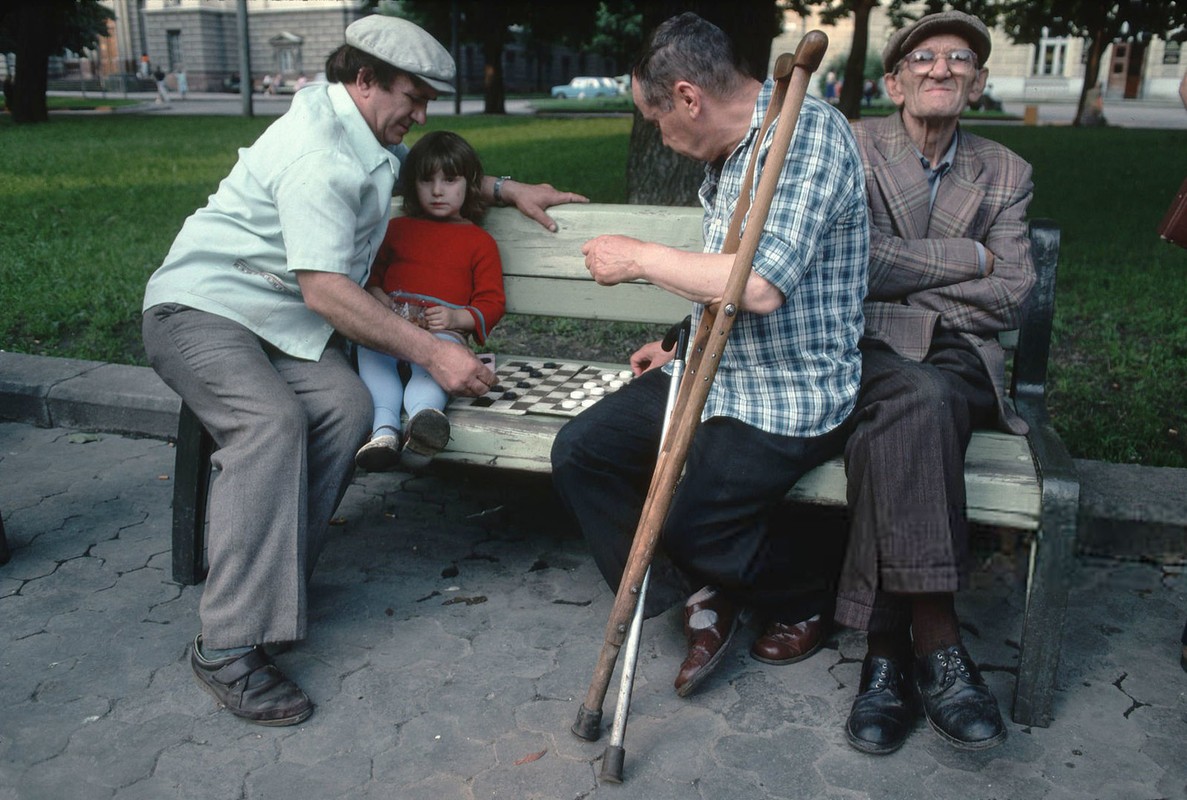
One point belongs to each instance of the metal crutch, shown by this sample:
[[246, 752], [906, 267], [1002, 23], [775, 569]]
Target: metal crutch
[[790, 72], [614, 755]]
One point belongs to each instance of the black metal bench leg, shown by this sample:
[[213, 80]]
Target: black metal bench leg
[[191, 481]]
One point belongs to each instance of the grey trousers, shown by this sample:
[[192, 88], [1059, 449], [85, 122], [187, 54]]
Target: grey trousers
[[905, 464], [286, 431]]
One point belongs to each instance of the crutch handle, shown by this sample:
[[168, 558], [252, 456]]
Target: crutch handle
[[808, 54]]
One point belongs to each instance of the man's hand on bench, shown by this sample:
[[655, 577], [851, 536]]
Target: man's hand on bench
[[532, 200]]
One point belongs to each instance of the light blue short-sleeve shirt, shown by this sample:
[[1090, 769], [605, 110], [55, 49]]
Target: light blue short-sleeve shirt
[[312, 193]]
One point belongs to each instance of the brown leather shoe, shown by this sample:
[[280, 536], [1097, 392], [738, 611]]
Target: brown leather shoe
[[709, 623], [782, 644]]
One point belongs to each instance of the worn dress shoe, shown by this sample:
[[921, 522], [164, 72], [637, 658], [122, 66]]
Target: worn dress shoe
[[252, 687], [782, 643], [956, 700], [882, 714], [709, 624]]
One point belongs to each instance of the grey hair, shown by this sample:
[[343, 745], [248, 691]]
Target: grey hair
[[686, 48]]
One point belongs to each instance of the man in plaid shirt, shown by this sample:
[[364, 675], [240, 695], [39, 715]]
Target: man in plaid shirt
[[788, 377]]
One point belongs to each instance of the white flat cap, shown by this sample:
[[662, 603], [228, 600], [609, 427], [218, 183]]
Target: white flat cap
[[405, 46]]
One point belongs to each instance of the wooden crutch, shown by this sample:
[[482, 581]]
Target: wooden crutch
[[791, 73]]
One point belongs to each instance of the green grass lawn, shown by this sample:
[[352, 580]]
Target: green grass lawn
[[91, 205]]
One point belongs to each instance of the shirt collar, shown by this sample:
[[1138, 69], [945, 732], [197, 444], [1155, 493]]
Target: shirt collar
[[945, 162], [360, 136]]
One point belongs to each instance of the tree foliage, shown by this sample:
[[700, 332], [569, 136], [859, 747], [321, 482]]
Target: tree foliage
[[34, 30], [618, 32]]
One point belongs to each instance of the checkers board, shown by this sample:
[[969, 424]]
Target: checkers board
[[546, 387]]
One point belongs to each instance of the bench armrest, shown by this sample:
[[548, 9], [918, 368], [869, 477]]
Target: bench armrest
[[1049, 576]]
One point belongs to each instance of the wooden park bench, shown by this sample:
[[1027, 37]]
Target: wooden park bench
[[1024, 483]]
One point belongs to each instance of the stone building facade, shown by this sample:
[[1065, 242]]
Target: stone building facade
[[291, 37], [1052, 70]]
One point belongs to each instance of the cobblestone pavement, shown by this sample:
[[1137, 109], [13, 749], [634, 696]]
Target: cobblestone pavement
[[455, 623]]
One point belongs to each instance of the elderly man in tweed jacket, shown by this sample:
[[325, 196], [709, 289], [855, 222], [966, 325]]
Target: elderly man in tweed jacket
[[950, 268]]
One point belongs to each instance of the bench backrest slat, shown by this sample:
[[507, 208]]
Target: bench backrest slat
[[544, 273]]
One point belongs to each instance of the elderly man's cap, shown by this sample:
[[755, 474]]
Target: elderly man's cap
[[964, 25], [405, 46]]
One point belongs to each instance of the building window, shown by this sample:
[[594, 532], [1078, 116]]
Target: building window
[[1171, 54], [173, 42], [287, 52], [1051, 55]]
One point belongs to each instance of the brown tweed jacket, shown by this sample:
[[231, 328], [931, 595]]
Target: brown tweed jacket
[[924, 271]]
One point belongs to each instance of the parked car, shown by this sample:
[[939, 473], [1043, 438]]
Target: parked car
[[584, 87]]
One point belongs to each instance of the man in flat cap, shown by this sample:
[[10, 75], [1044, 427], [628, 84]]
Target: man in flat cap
[[248, 317], [950, 268]]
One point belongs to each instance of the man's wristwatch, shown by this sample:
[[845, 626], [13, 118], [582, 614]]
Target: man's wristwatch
[[498, 190]]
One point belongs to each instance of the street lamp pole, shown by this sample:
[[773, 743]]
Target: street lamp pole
[[244, 58]]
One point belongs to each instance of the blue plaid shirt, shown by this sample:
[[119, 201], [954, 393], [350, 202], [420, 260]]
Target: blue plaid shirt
[[795, 372]]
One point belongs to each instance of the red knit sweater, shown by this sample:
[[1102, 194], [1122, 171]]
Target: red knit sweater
[[443, 263]]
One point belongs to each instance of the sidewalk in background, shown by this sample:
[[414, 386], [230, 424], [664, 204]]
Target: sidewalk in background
[[1121, 113]]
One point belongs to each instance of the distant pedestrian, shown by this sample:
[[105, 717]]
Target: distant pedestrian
[[143, 68], [1094, 109], [162, 90], [183, 84]]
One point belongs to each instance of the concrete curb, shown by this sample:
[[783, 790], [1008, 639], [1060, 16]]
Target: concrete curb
[[1126, 510]]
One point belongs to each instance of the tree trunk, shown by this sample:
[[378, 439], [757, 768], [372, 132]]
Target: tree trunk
[[493, 90], [32, 37], [855, 69], [1091, 72], [656, 175]]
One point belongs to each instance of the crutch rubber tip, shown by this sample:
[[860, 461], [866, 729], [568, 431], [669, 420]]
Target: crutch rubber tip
[[588, 725], [612, 764]]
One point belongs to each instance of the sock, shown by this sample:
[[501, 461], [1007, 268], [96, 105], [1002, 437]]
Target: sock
[[933, 622], [221, 654]]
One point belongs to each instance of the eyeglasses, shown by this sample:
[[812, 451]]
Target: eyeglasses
[[960, 62]]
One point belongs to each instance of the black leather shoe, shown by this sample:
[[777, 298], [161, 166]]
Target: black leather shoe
[[882, 715], [956, 700], [250, 686]]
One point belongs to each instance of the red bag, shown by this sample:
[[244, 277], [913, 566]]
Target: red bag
[[1173, 227]]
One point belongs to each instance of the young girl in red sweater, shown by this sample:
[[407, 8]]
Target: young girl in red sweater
[[440, 270]]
